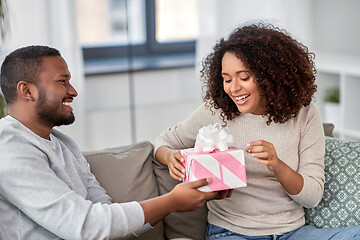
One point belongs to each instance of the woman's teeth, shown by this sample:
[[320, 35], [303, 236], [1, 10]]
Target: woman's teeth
[[241, 97]]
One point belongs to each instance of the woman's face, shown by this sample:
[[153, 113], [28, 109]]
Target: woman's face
[[239, 84]]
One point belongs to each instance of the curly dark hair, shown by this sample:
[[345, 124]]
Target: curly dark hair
[[283, 70]]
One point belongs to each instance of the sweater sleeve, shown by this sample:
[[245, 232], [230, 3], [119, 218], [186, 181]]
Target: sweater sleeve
[[28, 183], [311, 158]]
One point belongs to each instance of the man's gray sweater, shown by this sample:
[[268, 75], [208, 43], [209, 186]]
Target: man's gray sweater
[[48, 192]]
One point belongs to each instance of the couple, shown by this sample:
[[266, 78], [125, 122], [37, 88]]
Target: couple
[[260, 83]]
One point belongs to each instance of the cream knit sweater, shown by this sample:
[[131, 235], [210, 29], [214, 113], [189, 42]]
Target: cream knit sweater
[[263, 207]]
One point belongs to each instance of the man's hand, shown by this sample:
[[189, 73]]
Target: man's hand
[[184, 197]]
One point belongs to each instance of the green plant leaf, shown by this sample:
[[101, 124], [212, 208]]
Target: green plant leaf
[[2, 106], [3, 18], [332, 95]]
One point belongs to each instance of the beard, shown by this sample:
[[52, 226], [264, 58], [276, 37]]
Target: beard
[[50, 112]]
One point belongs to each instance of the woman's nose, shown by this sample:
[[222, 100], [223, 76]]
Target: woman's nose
[[235, 85]]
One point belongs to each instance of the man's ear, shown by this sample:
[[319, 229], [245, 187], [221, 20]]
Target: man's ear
[[26, 90]]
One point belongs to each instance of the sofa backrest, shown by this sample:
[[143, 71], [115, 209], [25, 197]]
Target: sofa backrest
[[126, 172]]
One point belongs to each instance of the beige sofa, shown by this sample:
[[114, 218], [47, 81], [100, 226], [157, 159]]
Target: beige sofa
[[131, 173]]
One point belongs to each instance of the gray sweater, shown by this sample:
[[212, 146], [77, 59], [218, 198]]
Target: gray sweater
[[263, 207], [48, 192]]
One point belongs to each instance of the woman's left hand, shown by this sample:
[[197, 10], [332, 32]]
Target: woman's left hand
[[265, 153]]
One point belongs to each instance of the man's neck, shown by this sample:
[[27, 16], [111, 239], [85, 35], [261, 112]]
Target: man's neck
[[32, 122]]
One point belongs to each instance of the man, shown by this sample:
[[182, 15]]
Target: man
[[46, 188]]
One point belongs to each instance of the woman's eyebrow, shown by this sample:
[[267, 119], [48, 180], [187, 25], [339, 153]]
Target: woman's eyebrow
[[240, 71]]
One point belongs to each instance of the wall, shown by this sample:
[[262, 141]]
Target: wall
[[336, 26], [162, 98]]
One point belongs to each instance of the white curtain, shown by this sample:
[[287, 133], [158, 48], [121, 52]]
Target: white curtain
[[51, 23]]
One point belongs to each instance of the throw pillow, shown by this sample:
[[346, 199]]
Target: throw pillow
[[180, 224], [126, 173], [340, 206]]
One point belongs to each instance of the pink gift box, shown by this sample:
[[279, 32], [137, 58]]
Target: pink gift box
[[226, 168]]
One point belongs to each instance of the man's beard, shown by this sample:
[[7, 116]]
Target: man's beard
[[50, 112]]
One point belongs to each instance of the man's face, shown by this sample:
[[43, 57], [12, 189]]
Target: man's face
[[55, 93]]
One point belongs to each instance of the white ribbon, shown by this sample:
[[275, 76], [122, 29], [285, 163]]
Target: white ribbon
[[212, 137]]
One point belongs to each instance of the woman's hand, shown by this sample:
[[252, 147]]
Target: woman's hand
[[174, 163], [172, 159], [265, 153]]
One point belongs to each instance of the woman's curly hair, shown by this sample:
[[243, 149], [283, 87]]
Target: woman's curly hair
[[283, 69]]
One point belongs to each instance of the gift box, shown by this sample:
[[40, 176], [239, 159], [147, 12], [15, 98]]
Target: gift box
[[226, 168]]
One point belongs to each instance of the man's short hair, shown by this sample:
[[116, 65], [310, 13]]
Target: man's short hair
[[23, 64]]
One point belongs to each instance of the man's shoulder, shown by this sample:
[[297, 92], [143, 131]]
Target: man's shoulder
[[12, 131]]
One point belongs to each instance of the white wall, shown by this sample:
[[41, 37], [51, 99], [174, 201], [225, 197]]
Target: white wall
[[337, 26], [162, 98]]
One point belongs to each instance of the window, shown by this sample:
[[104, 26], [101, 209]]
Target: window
[[176, 20], [141, 29]]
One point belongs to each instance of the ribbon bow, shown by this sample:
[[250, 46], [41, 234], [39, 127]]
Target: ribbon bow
[[212, 137]]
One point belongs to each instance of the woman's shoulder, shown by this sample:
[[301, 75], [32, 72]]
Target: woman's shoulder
[[309, 117], [309, 111]]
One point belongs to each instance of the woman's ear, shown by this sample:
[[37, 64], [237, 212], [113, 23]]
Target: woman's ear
[[26, 90]]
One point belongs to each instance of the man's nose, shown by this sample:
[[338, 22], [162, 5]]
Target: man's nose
[[72, 91]]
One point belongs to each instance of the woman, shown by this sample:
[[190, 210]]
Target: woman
[[260, 83]]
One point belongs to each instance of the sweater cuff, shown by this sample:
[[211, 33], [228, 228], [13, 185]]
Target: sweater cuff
[[129, 219]]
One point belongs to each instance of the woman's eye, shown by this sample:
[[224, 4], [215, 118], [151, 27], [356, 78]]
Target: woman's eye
[[244, 75], [227, 80], [245, 78]]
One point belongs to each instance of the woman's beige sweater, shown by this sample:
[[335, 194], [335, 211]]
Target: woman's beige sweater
[[263, 207]]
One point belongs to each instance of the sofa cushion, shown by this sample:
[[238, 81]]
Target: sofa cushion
[[180, 224], [126, 173], [328, 129], [340, 205]]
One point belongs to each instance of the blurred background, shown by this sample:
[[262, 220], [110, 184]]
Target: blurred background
[[136, 63]]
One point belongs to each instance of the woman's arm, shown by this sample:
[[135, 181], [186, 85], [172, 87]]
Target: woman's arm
[[265, 154]]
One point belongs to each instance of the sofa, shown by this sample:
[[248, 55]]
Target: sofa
[[130, 173]]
